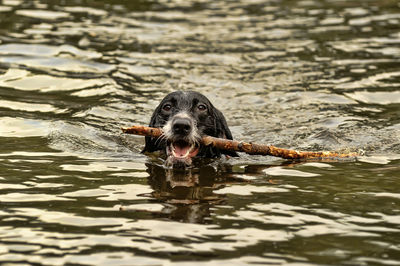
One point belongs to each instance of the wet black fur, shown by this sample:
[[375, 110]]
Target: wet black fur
[[210, 123]]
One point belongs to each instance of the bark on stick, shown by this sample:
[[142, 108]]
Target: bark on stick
[[249, 148]]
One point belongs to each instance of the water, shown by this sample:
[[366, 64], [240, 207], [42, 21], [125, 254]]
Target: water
[[309, 75]]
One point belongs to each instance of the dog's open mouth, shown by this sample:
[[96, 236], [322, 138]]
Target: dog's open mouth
[[181, 152]]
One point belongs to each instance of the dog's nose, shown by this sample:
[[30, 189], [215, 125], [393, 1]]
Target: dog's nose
[[182, 127]]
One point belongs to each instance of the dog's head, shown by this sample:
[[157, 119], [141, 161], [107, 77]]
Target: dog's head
[[185, 116]]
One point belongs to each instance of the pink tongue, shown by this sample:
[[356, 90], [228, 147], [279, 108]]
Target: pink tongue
[[181, 151]]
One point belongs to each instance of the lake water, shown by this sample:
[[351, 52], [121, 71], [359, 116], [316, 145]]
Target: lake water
[[307, 75]]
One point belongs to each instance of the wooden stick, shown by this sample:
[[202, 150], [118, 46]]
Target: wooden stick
[[249, 148]]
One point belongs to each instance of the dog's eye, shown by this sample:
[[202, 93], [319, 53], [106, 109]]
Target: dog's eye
[[202, 107], [167, 107]]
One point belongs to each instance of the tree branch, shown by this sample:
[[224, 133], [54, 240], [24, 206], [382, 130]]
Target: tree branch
[[249, 148]]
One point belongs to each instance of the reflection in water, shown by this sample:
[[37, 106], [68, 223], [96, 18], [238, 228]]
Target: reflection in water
[[190, 192]]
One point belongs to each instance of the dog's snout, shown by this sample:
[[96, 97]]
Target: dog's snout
[[182, 126]]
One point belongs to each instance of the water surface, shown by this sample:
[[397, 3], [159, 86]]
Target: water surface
[[309, 75]]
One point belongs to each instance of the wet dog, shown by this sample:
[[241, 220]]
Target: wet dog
[[186, 116]]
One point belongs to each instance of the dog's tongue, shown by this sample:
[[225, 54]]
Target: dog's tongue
[[181, 151]]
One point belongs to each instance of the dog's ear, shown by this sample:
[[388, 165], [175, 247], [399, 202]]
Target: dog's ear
[[150, 143], [223, 130]]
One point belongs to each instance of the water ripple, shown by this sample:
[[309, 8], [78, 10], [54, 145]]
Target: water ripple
[[310, 75]]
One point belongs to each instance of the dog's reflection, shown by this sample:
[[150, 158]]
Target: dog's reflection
[[188, 194]]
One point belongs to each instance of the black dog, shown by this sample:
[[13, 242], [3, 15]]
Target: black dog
[[185, 116]]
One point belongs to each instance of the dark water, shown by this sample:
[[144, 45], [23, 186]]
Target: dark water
[[310, 75]]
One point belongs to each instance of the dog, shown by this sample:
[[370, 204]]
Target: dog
[[186, 116]]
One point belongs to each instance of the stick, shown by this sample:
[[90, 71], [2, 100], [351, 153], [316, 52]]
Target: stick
[[249, 148]]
